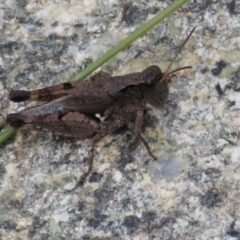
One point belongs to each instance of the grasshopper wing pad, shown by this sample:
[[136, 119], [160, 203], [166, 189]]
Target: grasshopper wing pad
[[149, 76], [119, 83], [92, 100]]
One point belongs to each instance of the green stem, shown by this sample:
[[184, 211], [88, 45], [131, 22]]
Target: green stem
[[7, 134]]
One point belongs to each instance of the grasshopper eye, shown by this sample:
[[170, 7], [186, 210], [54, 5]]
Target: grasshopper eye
[[152, 75]]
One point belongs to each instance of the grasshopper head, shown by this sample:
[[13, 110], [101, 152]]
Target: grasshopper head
[[156, 93], [152, 75], [155, 89]]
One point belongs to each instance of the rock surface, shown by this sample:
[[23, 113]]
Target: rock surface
[[191, 192]]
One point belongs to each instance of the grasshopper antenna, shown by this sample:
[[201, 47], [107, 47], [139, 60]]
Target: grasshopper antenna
[[178, 69], [166, 74]]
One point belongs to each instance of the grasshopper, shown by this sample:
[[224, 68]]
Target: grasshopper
[[71, 107]]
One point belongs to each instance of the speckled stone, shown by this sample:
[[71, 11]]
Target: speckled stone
[[191, 192]]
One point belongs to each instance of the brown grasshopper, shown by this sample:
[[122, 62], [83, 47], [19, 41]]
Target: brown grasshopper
[[72, 106]]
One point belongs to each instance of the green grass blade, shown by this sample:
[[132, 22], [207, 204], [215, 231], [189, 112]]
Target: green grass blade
[[7, 134], [4, 136]]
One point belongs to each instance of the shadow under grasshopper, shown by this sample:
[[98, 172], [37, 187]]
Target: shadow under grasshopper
[[71, 107]]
